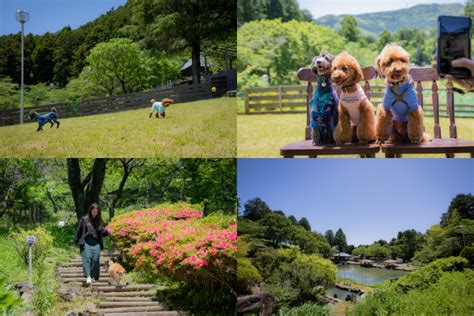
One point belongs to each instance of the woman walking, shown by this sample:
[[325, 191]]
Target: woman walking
[[89, 237]]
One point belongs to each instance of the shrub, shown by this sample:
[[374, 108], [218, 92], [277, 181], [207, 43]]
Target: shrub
[[247, 275], [305, 309], [468, 253], [44, 242], [430, 274], [43, 290], [175, 241], [8, 299]]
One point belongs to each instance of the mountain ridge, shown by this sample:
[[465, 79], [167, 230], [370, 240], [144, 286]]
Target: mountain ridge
[[422, 16]]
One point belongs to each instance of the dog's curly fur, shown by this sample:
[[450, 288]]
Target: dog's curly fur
[[347, 73], [393, 65], [324, 114], [167, 102]]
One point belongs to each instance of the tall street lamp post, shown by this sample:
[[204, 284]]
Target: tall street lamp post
[[22, 16]]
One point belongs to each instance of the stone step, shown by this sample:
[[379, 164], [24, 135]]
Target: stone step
[[80, 279], [128, 294], [102, 305], [126, 288], [127, 299], [163, 313], [127, 310]]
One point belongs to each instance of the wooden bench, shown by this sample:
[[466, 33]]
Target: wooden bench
[[448, 146]]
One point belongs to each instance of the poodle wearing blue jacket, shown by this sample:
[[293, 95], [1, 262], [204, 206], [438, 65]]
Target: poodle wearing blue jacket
[[51, 117]]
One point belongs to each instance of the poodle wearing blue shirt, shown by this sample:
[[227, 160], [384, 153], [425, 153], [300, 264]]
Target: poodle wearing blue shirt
[[160, 107], [399, 117], [51, 117], [323, 106]]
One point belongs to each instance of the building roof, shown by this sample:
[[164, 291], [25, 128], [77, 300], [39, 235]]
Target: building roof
[[342, 254], [189, 63]]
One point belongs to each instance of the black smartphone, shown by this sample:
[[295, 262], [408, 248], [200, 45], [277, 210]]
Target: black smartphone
[[454, 42]]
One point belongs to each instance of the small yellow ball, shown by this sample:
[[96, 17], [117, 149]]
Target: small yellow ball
[[213, 89]]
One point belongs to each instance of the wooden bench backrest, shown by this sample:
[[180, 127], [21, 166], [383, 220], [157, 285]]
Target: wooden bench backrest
[[418, 75]]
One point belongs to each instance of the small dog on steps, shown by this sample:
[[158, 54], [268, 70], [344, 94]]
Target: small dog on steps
[[51, 117], [116, 272]]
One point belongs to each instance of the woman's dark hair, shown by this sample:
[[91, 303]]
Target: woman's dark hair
[[97, 221]]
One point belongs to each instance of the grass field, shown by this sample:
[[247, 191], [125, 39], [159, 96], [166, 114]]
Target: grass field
[[195, 129], [263, 135]]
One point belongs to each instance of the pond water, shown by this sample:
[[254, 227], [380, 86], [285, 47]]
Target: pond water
[[367, 275], [361, 274]]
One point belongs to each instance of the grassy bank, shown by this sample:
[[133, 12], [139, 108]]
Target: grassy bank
[[195, 129]]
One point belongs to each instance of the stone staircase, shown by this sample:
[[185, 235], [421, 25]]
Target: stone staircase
[[138, 299]]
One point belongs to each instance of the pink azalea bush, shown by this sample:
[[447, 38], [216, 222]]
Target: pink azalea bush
[[177, 241]]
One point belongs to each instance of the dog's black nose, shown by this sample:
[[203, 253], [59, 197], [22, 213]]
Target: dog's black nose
[[318, 62]]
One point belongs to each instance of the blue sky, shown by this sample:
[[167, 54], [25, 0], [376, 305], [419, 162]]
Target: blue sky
[[52, 15], [324, 7], [368, 199]]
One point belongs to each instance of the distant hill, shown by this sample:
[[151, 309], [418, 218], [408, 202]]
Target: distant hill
[[423, 16]]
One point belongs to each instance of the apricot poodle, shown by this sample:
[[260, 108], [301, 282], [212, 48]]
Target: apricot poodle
[[356, 113], [399, 117]]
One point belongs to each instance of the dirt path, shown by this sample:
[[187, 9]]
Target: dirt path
[[131, 299]]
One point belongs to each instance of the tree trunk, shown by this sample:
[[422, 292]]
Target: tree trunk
[[196, 59], [96, 182], [127, 169], [87, 191], [53, 201], [74, 179]]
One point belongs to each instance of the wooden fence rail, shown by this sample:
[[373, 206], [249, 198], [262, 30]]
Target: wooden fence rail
[[124, 102], [292, 99]]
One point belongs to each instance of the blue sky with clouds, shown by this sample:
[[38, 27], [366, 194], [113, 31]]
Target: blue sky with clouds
[[52, 15], [369, 199]]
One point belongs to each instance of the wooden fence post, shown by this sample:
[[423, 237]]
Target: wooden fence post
[[247, 105], [280, 98]]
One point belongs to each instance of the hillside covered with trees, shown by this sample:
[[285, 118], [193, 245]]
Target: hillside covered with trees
[[422, 16], [137, 46], [281, 255], [272, 49]]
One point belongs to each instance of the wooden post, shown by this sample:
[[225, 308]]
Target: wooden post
[[450, 96], [247, 105], [435, 99], [279, 99]]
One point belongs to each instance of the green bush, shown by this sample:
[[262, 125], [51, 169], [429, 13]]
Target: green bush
[[430, 274], [451, 295], [44, 242], [8, 299], [62, 236], [468, 253], [247, 275], [304, 310], [43, 290]]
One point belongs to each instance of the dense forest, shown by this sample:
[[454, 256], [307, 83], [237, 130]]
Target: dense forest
[[281, 255], [276, 47], [148, 39], [287, 10], [36, 191]]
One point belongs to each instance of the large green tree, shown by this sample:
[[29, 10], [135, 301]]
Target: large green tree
[[340, 240], [117, 63], [178, 24], [349, 29], [256, 209]]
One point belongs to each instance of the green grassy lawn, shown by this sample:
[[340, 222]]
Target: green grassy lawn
[[264, 135], [195, 129]]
